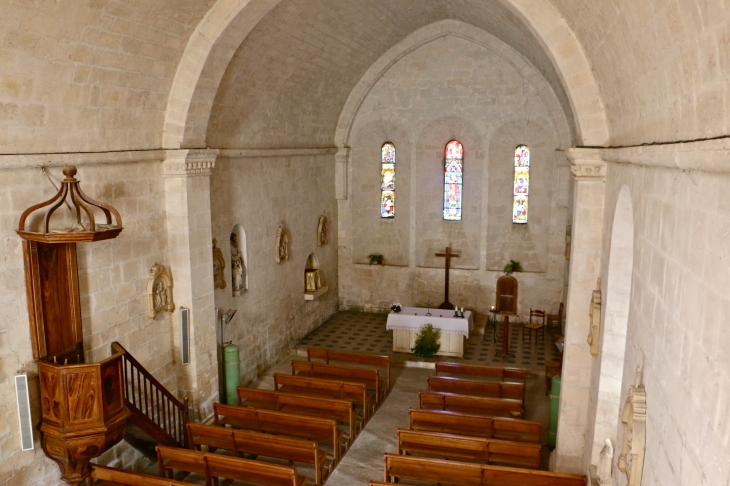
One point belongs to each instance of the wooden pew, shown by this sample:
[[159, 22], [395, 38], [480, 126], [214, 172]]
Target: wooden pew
[[470, 474], [368, 377], [259, 444], [317, 387], [216, 466], [518, 375], [461, 447], [475, 425], [281, 423], [379, 360], [495, 407], [341, 410], [495, 389], [119, 477]]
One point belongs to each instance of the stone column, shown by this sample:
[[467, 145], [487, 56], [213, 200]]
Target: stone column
[[342, 158], [187, 198], [589, 172]]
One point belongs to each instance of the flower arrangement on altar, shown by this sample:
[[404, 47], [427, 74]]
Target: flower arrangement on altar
[[395, 307]]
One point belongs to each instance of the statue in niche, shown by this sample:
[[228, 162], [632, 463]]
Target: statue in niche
[[568, 238], [219, 264], [159, 291], [322, 231], [633, 418], [238, 268], [594, 313], [605, 464], [282, 244]]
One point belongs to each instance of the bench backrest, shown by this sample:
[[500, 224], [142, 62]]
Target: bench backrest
[[180, 459], [250, 471], [504, 407], [308, 367], [328, 355], [518, 430], [342, 387], [496, 389], [500, 373], [237, 417], [432, 470], [257, 398], [128, 478], [211, 436]]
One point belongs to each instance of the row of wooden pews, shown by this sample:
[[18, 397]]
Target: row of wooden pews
[[324, 403], [469, 431]]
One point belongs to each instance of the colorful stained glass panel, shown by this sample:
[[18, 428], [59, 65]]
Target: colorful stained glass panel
[[521, 184], [453, 180], [387, 180]]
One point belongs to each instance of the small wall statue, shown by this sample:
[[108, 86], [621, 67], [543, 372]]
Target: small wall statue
[[605, 464], [633, 418], [219, 265], [159, 291], [282, 244], [322, 229], [238, 267]]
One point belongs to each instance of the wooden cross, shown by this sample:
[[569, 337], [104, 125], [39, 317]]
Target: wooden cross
[[446, 304]]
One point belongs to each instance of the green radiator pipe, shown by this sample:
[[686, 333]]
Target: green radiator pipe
[[554, 406], [232, 372]]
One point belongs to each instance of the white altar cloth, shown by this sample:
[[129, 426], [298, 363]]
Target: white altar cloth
[[413, 318]]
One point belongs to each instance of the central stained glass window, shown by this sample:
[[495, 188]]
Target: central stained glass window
[[387, 180], [453, 180], [522, 184]]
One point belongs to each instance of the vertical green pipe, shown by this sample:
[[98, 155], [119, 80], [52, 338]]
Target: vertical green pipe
[[232, 373], [554, 406]]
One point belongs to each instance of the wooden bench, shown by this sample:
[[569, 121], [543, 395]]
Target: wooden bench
[[475, 425], [286, 424], [341, 410], [317, 387], [216, 466], [379, 360], [460, 447], [494, 407], [495, 389], [518, 375], [470, 474], [368, 377], [259, 444], [118, 477]]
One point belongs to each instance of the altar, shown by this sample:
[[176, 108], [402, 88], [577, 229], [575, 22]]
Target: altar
[[407, 323]]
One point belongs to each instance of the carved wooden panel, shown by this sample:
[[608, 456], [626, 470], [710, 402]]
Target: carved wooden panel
[[53, 300]]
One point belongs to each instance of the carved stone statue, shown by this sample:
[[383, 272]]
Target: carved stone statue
[[159, 291], [633, 418], [219, 265], [568, 238], [282, 244], [322, 229], [605, 464], [594, 313], [238, 268]]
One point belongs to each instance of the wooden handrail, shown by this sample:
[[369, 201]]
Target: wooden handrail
[[151, 402]]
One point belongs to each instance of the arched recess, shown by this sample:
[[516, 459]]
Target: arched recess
[[228, 22], [610, 366]]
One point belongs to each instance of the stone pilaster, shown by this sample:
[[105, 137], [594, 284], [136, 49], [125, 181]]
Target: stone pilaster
[[342, 158], [187, 199], [589, 172]]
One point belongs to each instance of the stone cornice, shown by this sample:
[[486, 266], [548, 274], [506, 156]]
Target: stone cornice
[[34, 161], [704, 155], [287, 152], [189, 162], [587, 164]]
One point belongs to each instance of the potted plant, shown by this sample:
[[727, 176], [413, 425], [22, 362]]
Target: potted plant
[[396, 308], [375, 258], [512, 267], [427, 342]]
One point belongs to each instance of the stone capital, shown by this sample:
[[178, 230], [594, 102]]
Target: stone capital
[[587, 164], [189, 162]]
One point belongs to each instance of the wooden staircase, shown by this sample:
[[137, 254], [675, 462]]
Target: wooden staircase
[[156, 416]]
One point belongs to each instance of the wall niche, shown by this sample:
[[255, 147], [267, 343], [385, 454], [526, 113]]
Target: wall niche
[[313, 286]]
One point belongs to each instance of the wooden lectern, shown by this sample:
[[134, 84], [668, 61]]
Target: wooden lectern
[[506, 302]]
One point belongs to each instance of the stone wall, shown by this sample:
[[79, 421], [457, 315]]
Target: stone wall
[[113, 284], [258, 193], [451, 88]]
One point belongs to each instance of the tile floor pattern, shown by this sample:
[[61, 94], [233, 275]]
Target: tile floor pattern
[[366, 333]]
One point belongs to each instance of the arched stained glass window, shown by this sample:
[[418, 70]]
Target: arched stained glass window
[[387, 180], [522, 184], [453, 180]]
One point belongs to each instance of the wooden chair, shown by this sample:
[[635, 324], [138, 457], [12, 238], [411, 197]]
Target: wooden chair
[[556, 318], [539, 318]]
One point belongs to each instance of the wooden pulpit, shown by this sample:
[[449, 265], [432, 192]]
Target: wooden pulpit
[[506, 303], [82, 404]]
